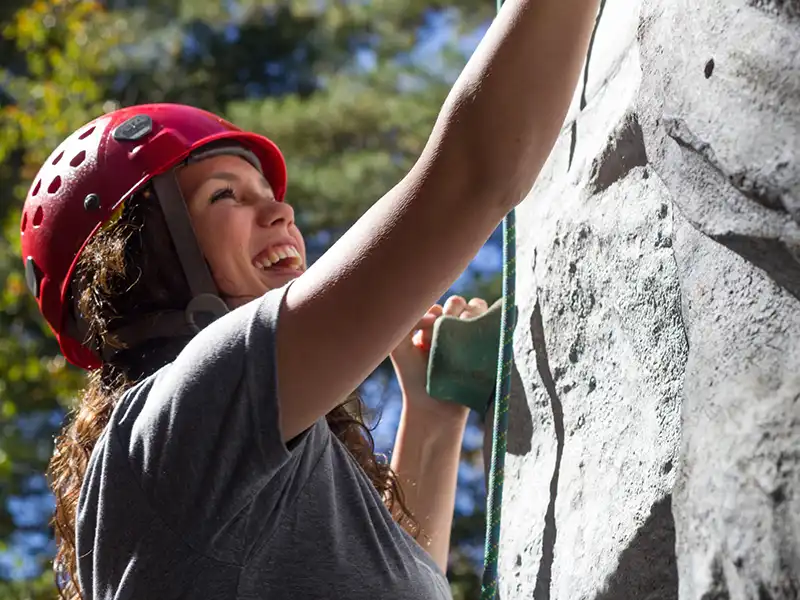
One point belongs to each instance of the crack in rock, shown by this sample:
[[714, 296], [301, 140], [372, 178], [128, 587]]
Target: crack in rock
[[589, 52], [544, 576], [520, 421], [574, 129], [755, 186]]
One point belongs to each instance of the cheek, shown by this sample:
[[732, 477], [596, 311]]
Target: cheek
[[221, 239]]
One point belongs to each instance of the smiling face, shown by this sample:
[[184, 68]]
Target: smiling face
[[249, 239]]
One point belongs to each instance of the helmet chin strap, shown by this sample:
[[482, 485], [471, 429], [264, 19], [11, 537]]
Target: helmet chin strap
[[206, 301]]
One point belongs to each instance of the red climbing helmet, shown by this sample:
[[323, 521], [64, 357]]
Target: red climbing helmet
[[87, 178]]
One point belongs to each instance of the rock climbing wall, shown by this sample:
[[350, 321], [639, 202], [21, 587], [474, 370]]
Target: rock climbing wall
[[654, 441]]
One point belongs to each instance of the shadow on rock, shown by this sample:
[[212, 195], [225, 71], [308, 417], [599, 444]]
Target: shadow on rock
[[625, 151], [647, 568], [520, 422]]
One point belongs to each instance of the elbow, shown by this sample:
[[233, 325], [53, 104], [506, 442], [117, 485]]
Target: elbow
[[482, 168], [462, 176]]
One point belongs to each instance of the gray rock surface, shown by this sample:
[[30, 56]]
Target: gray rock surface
[[654, 437]]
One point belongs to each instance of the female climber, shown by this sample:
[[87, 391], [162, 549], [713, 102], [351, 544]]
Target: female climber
[[215, 453]]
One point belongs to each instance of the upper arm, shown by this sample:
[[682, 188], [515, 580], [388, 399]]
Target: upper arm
[[344, 315]]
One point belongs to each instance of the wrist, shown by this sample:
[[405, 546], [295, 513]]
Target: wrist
[[425, 413]]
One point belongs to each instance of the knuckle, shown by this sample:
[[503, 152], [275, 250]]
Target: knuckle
[[456, 300]]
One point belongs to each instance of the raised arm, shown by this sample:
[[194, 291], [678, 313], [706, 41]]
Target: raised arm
[[344, 315]]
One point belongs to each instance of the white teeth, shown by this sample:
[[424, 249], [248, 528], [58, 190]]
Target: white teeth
[[276, 254]]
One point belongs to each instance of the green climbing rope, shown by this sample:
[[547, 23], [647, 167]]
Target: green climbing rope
[[494, 498]]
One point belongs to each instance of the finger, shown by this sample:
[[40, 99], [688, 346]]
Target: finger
[[425, 334], [434, 312], [426, 337], [436, 309], [419, 341], [475, 308], [454, 306], [422, 332]]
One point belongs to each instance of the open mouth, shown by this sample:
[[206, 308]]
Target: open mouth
[[283, 256]]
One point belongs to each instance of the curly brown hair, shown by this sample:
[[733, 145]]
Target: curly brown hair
[[128, 269]]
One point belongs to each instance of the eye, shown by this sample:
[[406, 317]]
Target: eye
[[226, 192]]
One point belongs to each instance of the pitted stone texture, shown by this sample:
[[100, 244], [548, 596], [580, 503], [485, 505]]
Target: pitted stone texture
[[737, 502], [605, 320], [658, 339], [728, 145], [599, 348], [727, 148]]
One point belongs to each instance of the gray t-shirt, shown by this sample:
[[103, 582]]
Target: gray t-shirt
[[190, 492]]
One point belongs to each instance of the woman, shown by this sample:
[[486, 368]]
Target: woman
[[214, 453]]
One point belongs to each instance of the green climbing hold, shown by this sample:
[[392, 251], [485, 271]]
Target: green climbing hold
[[462, 364]]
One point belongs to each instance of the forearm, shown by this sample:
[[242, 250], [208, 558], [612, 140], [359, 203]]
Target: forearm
[[506, 109], [426, 457]]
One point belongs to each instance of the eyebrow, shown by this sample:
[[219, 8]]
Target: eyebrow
[[232, 177]]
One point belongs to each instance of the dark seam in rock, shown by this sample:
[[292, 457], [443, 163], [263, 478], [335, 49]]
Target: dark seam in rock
[[589, 52], [574, 128], [775, 257], [544, 576], [751, 185], [763, 592], [572, 142]]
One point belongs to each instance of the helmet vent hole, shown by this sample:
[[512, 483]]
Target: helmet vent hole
[[36, 188], [58, 158], [86, 133], [24, 222], [38, 216], [54, 185], [79, 158]]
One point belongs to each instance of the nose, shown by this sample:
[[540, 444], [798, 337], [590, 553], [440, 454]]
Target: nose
[[272, 213]]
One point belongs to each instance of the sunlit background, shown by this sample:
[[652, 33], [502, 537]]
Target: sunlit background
[[348, 89]]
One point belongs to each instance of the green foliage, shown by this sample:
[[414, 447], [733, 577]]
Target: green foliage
[[338, 85], [50, 80], [40, 588]]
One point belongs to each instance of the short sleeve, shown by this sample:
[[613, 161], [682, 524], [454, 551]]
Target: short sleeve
[[203, 434]]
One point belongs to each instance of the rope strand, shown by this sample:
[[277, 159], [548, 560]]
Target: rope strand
[[503, 386]]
